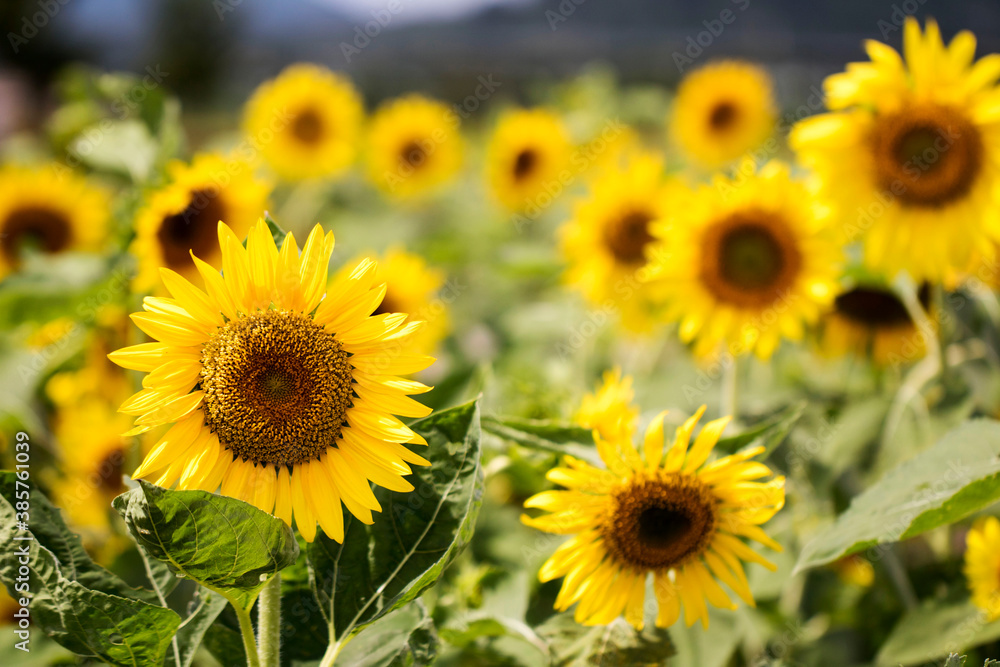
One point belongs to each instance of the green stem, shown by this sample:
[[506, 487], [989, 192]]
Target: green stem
[[269, 623], [246, 630], [333, 650]]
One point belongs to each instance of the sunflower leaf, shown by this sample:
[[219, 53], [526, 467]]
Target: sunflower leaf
[[192, 631], [544, 435], [769, 433], [618, 643], [934, 629], [939, 486], [224, 544], [403, 637], [115, 629], [381, 567], [277, 232]]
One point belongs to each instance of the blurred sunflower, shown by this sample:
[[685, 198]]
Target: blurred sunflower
[[8, 606], [746, 262], [911, 151], [675, 517], [278, 389], [182, 216], [609, 409], [872, 320], [982, 565], [306, 122], [411, 287], [722, 111], [49, 211], [607, 242], [413, 146], [528, 151]]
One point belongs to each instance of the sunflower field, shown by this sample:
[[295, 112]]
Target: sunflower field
[[605, 373]]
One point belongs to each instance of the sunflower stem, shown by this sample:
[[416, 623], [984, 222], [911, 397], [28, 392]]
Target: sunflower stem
[[269, 623], [246, 630]]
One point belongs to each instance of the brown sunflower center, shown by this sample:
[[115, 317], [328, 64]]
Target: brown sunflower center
[[109, 471], [413, 154], [628, 235], [307, 126], [927, 155], [524, 164], [723, 117], [750, 258], [660, 523], [876, 307], [36, 227], [277, 387], [194, 228]]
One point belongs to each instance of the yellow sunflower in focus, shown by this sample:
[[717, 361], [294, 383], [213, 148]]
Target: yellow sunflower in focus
[[910, 153], [722, 111], [677, 517], [607, 242], [411, 287], [48, 211], [278, 388], [982, 565], [413, 146], [306, 122], [746, 262], [609, 409], [181, 217], [528, 151], [872, 321]]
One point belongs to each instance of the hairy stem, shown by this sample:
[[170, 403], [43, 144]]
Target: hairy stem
[[269, 623]]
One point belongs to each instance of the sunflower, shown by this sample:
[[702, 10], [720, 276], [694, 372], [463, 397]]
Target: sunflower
[[181, 217], [306, 122], [745, 262], [528, 151], [607, 241], [873, 320], [411, 286], [910, 153], [279, 389], [48, 210], [675, 517], [609, 409], [413, 146], [722, 111], [982, 565]]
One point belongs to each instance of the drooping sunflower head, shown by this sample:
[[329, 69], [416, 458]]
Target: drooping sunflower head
[[871, 320], [674, 515], [982, 565], [909, 150], [277, 388], [723, 111], [608, 241], [306, 122], [412, 287], [48, 210], [526, 154], [413, 146], [183, 216], [609, 410], [747, 261]]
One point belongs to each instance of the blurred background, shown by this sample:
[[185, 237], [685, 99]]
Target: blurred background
[[214, 52]]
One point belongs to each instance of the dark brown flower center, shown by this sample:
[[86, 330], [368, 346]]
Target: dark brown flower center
[[35, 227], [627, 237], [877, 307], [194, 228], [750, 259], [109, 472], [927, 155], [525, 163], [307, 126], [660, 523], [723, 117], [277, 387], [413, 154]]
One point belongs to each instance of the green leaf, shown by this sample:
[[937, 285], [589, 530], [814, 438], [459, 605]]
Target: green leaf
[[381, 567], [304, 634], [277, 232], [224, 544], [769, 433], [935, 629], [226, 645], [547, 436], [946, 483], [617, 644], [125, 147], [404, 637], [714, 647], [192, 631], [118, 630]]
